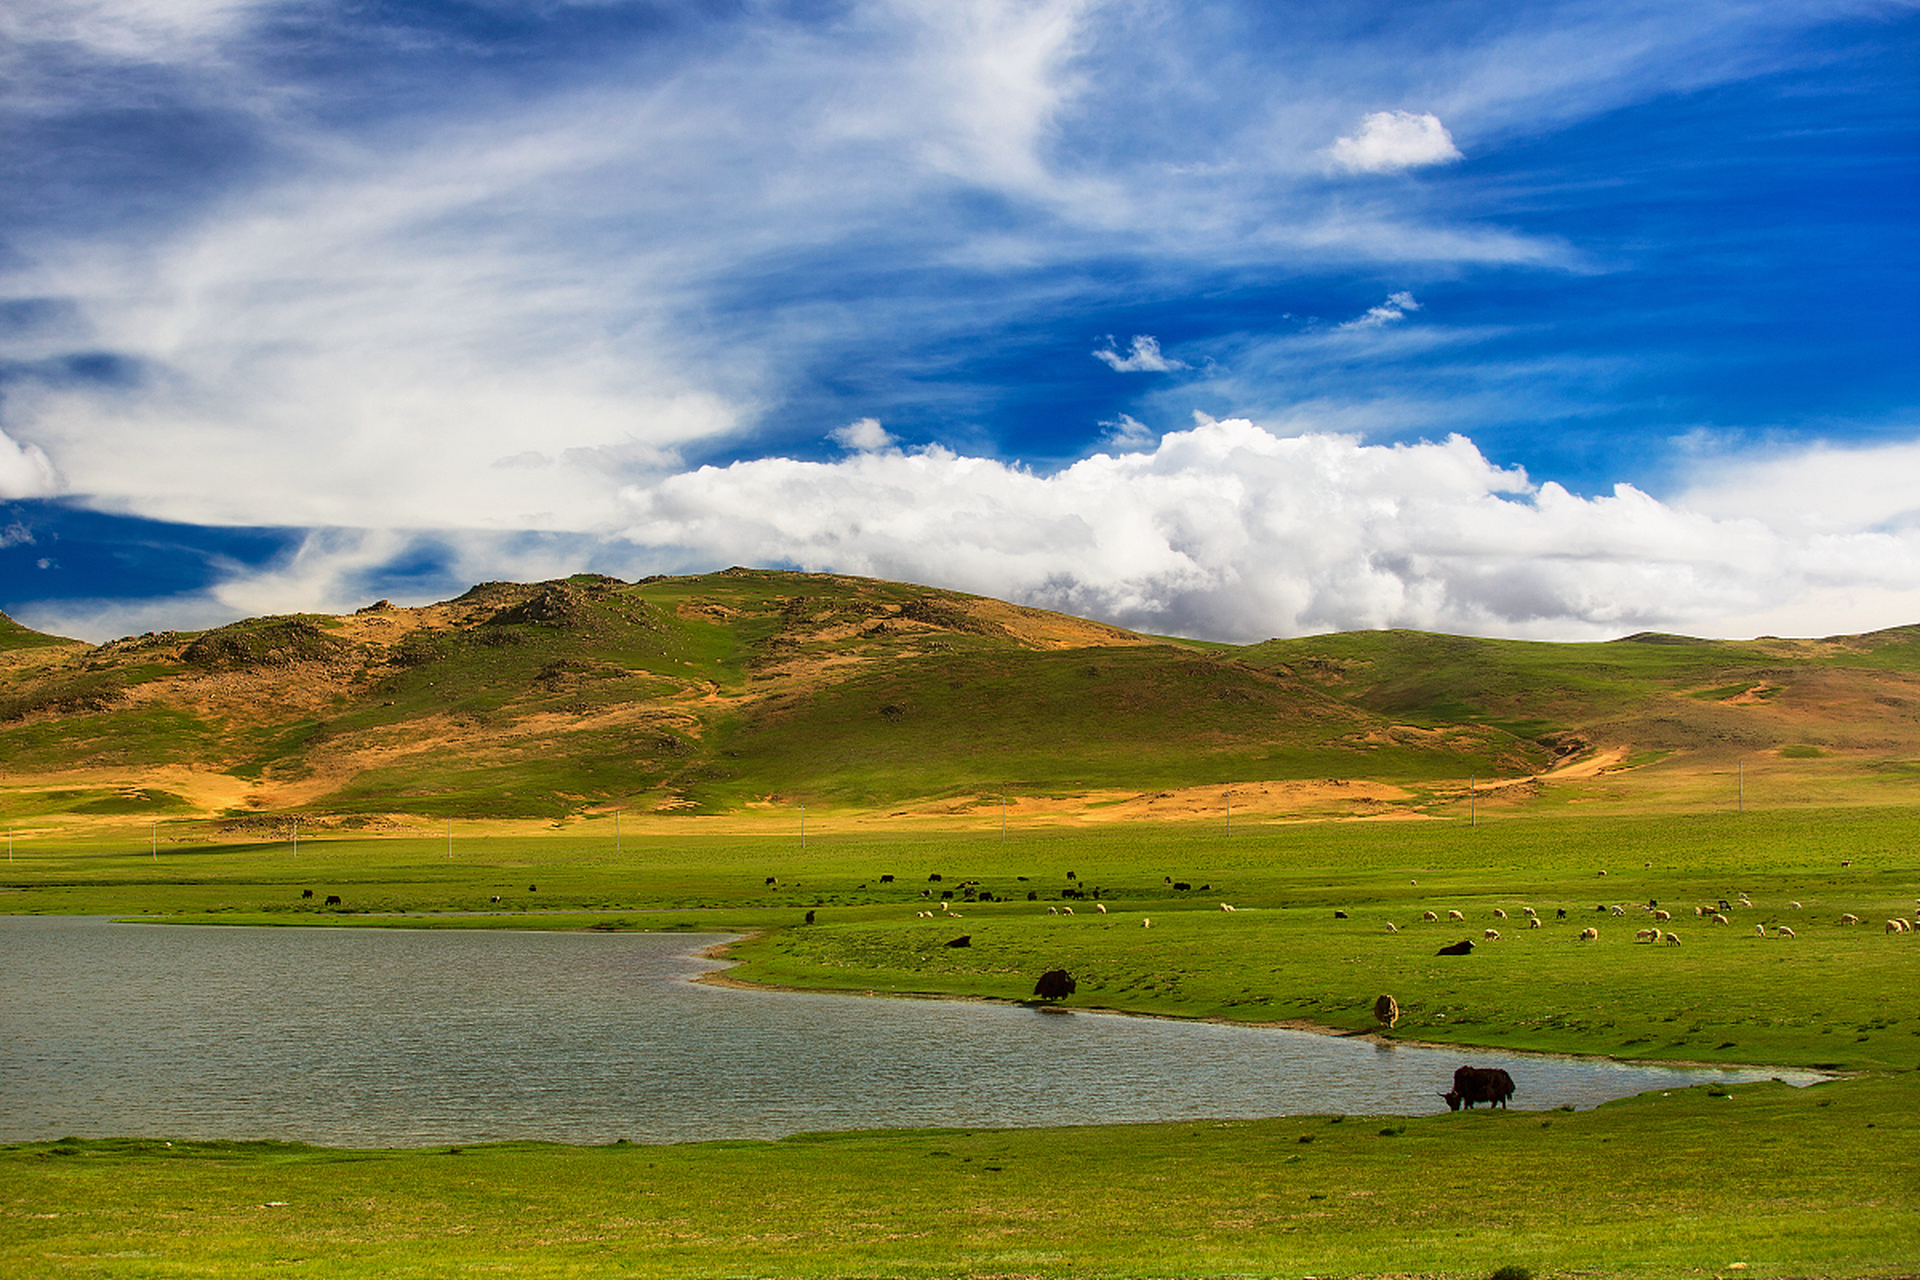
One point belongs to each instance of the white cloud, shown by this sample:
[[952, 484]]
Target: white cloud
[[1394, 308], [25, 470], [1128, 434], [1392, 140], [1146, 357], [1230, 531], [863, 436]]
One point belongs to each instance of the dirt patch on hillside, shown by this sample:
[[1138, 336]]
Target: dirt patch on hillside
[[1320, 798]]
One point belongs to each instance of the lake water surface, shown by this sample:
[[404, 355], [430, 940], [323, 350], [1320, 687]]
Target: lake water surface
[[390, 1037]]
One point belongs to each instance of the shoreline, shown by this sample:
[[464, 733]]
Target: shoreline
[[721, 978]]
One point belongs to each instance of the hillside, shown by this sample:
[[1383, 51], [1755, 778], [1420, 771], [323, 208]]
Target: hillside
[[726, 691]]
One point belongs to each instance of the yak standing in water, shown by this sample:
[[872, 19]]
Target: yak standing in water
[[1491, 1085]]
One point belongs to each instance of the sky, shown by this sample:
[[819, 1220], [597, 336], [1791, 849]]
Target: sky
[[1561, 320]]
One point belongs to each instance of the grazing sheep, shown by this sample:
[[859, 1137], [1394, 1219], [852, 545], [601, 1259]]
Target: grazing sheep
[[1493, 935], [1849, 918], [1455, 915], [1760, 929], [1066, 911], [1101, 907], [1530, 911], [1145, 923], [1589, 935], [1646, 935], [1671, 939], [1533, 922], [1783, 931], [1717, 918], [1896, 926], [1053, 911], [1617, 911], [1793, 906], [1386, 1011], [1428, 916], [1392, 927], [1225, 907], [1499, 914], [1663, 915]]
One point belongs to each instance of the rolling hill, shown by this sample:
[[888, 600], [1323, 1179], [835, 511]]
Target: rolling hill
[[724, 692]]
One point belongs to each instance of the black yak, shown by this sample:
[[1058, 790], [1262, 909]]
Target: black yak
[[1055, 984], [1464, 947], [1491, 1085]]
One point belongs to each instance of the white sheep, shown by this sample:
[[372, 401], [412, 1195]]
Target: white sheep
[[1663, 915], [1646, 935], [1760, 929], [1493, 935], [1533, 922], [1793, 906], [1428, 915], [1896, 926], [1499, 914], [1530, 911], [1392, 927], [1225, 907], [1783, 931], [1455, 915], [1101, 907], [1717, 918], [1145, 923], [1849, 918], [1066, 911], [1589, 934], [1671, 939]]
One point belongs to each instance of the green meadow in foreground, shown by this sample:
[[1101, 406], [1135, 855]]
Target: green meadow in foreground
[[1760, 1180]]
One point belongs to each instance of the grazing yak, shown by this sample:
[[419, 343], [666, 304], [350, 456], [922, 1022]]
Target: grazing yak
[[1491, 1085], [1055, 984]]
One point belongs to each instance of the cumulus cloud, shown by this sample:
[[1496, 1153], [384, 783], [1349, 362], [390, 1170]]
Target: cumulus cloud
[[1393, 140], [1230, 531], [863, 436], [1394, 308], [1145, 357]]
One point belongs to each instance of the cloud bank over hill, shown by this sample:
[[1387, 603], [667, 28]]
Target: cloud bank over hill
[[1230, 531]]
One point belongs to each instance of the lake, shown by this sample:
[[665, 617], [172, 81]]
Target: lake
[[399, 1038]]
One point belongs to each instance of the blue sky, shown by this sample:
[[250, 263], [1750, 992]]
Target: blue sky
[[1563, 320]]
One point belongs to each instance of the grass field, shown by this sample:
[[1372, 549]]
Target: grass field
[[1816, 1182]]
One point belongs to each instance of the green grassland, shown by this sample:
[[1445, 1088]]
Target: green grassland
[[783, 744]]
